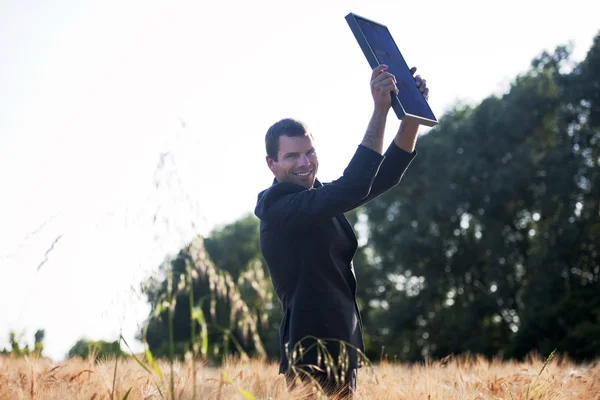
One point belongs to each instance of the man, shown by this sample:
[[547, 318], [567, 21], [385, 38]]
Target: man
[[309, 245]]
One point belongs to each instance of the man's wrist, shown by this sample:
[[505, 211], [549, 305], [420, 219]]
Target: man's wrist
[[379, 113], [410, 127], [407, 136], [373, 138]]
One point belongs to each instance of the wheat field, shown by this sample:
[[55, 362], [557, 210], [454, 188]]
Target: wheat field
[[454, 378]]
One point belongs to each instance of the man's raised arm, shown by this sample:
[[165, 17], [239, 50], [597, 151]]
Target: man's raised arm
[[399, 154], [382, 84]]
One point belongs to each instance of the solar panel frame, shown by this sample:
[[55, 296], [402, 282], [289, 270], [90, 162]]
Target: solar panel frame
[[379, 47]]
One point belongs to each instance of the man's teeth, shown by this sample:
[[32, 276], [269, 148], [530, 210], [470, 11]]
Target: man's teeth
[[303, 173]]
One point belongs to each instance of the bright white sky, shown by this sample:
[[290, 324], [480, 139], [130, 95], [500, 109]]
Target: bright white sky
[[92, 93]]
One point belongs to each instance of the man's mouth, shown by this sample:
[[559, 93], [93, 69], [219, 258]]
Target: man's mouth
[[303, 173]]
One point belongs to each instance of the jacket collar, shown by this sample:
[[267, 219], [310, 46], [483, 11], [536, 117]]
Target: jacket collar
[[317, 183]]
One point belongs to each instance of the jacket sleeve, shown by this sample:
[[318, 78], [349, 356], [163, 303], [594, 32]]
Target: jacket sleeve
[[390, 173], [289, 206]]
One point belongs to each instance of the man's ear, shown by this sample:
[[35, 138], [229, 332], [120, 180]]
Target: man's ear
[[270, 163]]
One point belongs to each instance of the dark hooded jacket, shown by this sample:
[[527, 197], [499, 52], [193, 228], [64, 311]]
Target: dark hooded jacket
[[309, 245]]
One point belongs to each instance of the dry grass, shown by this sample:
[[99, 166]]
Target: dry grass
[[464, 378]]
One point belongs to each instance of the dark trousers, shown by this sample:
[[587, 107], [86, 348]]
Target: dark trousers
[[338, 390]]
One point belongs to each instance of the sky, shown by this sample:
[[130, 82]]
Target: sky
[[127, 128]]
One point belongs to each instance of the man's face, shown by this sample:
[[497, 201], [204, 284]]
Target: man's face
[[296, 161]]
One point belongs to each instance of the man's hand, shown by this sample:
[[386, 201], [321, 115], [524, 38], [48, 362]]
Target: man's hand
[[421, 83], [422, 86], [382, 84], [406, 137]]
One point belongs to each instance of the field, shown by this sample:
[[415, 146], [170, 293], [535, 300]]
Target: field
[[454, 378]]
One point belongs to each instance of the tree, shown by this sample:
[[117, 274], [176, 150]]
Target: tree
[[19, 349], [100, 349], [493, 233], [231, 295], [39, 342]]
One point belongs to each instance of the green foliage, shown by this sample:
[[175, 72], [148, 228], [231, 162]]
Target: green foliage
[[18, 349], [492, 238], [99, 350], [224, 280], [39, 342]]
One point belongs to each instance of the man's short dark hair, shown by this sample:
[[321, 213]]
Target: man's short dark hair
[[288, 127]]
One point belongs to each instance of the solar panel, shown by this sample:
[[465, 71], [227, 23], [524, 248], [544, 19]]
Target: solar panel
[[379, 47]]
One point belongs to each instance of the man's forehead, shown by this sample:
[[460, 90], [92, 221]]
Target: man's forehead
[[295, 144]]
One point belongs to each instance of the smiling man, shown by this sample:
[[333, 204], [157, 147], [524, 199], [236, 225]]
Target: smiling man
[[309, 245], [291, 154]]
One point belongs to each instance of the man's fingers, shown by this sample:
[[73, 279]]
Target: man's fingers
[[378, 70], [421, 83], [383, 77], [426, 93], [385, 84], [388, 80], [413, 70], [382, 82], [387, 88]]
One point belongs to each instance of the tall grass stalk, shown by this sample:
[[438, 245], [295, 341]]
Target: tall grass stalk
[[170, 309], [533, 383], [112, 392], [150, 361], [192, 326]]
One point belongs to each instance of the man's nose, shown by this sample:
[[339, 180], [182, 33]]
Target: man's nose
[[304, 160]]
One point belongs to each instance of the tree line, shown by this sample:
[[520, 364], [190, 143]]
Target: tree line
[[490, 244]]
